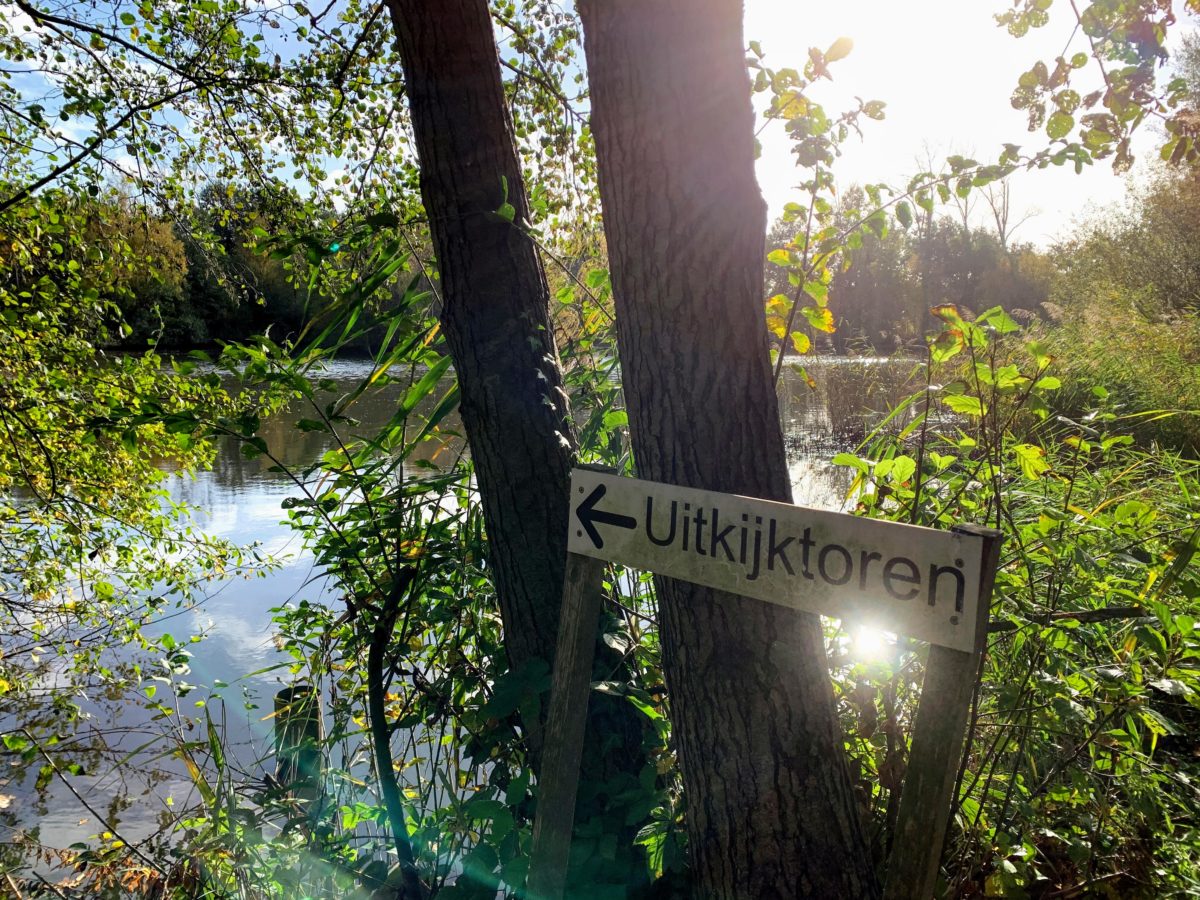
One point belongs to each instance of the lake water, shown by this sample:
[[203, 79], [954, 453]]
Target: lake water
[[241, 500]]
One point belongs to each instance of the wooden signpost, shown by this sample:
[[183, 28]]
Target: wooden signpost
[[921, 582]]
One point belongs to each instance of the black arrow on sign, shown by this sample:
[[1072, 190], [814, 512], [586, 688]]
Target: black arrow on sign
[[589, 516]]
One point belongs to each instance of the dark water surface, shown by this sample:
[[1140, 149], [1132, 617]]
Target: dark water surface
[[239, 499]]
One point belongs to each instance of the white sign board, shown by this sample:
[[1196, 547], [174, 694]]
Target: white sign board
[[916, 581]]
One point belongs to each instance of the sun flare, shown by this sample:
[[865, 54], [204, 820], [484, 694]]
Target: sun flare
[[871, 644]]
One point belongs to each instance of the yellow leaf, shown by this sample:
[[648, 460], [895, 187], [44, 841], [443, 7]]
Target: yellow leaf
[[1150, 579], [839, 49], [820, 318]]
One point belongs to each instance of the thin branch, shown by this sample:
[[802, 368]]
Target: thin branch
[[94, 144], [35, 13], [1106, 614], [108, 826]]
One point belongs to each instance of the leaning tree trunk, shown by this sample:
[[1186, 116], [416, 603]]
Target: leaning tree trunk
[[771, 811], [514, 408], [495, 309]]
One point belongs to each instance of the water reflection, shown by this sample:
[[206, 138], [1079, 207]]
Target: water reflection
[[850, 398]]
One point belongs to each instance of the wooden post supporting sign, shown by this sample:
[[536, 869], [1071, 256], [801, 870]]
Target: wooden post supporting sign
[[565, 719], [922, 582], [937, 746]]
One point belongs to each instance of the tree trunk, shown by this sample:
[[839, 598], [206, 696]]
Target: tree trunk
[[771, 811], [495, 309], [514, 408]]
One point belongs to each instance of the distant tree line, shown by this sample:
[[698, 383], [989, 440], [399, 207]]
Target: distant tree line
[[1125, 306], [211, 283], [198, 275], [195, 276], [882, 295]]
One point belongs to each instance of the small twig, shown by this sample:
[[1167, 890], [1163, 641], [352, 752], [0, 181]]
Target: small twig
[[1082, 889], [38, 15], [1083, 745], [13, 887], [51, 885]]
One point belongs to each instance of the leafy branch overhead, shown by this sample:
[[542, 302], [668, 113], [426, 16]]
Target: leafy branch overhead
[[1125, 43]]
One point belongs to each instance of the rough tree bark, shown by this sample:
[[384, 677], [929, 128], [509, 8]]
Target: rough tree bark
[[495, 309], [771, 812], [497, 324]]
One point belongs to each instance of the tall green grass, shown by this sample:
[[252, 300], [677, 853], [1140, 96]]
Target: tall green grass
[[1148, 372]]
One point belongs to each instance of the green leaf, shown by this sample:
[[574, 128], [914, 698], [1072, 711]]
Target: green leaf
[[425, 386], [383, 219], [597, 278], [1041, 356], [1059, 125], [873, 109], [1172, 686], [904, 214], [964, 404], [941, 460], [1153, 639], [645, 708], [998, 319], [819, 318], [903, 469], [804, 376], [849, 459], [1032, 460], [616, 418], [817, 291]]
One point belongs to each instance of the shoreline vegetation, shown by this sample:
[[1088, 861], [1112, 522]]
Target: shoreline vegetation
[[1091, 290]]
